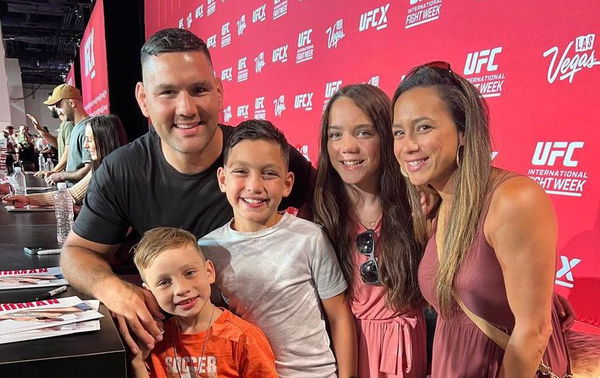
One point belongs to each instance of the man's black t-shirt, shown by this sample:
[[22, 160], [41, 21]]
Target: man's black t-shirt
[[135, 186]]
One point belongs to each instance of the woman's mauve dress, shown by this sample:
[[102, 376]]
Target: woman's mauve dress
[[460, 349]]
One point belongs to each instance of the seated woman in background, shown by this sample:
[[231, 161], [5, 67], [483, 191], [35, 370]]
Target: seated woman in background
[[495, 251], [361, 201], [104, 134]]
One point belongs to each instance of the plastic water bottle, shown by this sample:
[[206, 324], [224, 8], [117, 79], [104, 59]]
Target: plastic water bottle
[[63, 205], [41, 162], [18, 182], [3, 153], [49, 165]]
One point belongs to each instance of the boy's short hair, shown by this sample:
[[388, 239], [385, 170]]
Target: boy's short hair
[[257, 129], [158, 240]]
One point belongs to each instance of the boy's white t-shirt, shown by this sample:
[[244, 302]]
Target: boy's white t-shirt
[[274, 278]]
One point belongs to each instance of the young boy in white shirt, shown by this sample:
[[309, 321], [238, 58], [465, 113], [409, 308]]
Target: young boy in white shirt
[[276, 270]]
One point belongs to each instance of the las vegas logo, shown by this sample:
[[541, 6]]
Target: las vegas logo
[[578, 54]]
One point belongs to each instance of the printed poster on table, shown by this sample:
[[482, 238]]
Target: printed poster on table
[[31, 278], [66, 329], [27, 316]]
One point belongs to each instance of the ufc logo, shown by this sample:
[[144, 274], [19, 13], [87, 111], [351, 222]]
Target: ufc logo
[[565, 271], [304, 38], [375, 18], [211, 7], [280, 54], [242, 111], [227, 74], [476, 60], [211, 41], [332, 87], [259, 103], [242, 63], [546, 153], [259, 14], [90, 61], [225, 29], [200, 11]]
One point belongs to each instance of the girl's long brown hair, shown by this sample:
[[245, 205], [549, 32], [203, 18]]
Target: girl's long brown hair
[[399, 252]]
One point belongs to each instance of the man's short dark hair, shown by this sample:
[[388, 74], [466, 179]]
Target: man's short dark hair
[[257, 129], [173, 40]]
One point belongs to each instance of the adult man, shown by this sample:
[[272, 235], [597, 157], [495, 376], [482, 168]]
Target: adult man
[[67, 101], [60, 142], [167, 177]]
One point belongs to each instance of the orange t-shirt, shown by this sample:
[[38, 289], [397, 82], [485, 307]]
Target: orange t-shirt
[[235, 348]]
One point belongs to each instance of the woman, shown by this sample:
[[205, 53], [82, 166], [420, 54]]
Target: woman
[[103, 133], [496, 247], [361, 202]]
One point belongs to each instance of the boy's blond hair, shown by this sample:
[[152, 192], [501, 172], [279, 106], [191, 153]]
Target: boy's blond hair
[[160, 239]]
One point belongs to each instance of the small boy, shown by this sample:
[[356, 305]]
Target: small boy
[[277, 270], [200, 340]]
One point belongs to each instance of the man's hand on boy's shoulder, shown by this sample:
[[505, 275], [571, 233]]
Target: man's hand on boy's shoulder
[[136, 314]]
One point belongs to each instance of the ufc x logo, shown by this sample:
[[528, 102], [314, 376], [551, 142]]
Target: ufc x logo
[[565, 271], [376, 18]]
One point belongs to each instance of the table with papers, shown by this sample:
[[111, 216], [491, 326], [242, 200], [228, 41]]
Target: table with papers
[[98, 353]]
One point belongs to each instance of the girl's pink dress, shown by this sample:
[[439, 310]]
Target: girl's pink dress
[[389, 344]]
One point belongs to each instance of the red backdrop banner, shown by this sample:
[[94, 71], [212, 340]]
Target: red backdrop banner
[[70, 78], [533, 60], [94, 75]]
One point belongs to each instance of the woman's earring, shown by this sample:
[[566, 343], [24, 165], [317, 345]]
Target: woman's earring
[[459, 154]]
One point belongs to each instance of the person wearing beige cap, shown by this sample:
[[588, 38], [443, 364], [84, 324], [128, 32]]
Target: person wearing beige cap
[[67, 101], [59, 142]]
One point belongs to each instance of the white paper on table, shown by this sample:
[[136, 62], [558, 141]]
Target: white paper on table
[[31, 278], [26, 316], [67, 329], [28, 209]]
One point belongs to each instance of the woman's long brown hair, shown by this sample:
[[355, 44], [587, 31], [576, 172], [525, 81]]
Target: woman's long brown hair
[[470, 114]]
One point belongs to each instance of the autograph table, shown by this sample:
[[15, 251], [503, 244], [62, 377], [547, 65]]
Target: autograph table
[[93, 354]]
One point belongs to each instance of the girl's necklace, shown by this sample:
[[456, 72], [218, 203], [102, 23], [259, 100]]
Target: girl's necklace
[[370, 224]]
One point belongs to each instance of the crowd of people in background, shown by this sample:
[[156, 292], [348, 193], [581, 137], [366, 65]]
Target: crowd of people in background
[[411, 219], [24, 147]]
